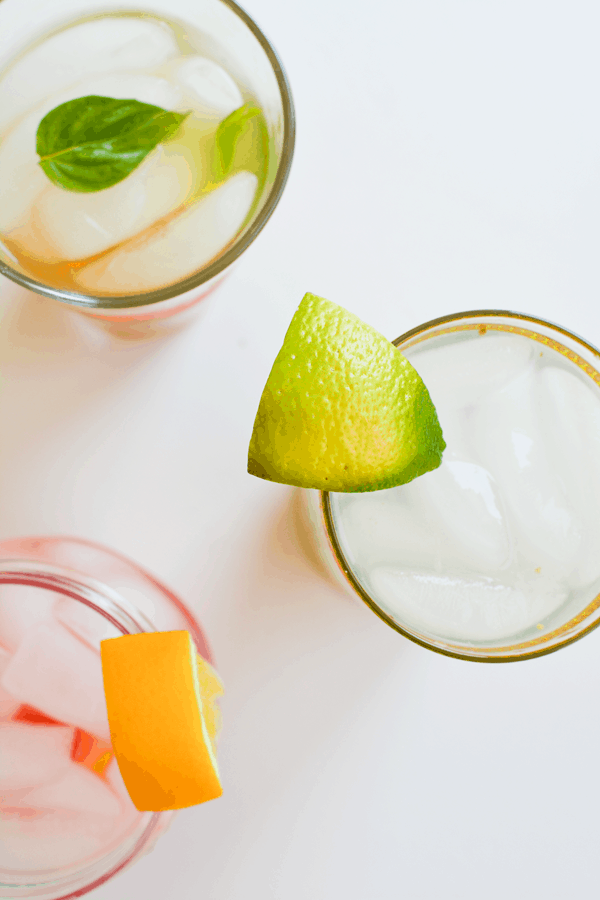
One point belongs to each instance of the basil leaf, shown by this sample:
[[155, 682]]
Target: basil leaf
[[91, 143], [242, 142]]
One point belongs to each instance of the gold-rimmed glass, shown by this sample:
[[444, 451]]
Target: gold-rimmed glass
[[577, 616]]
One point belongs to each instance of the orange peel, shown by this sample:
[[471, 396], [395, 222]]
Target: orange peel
[[160, 698]]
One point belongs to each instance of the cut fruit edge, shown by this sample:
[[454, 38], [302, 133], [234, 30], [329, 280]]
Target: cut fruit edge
[[161, 772]]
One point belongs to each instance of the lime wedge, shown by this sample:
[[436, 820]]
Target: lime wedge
[[342, 409]]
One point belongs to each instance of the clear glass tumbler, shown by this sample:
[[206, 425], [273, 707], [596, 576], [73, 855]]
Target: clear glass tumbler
[[210, 46], [492, 557], [67, 824]]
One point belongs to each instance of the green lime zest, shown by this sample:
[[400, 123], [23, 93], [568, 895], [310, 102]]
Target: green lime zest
[[342, 409]]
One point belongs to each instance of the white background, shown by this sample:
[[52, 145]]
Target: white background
[[448, 158]]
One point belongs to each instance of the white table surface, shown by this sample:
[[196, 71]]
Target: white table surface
[[448, 158]]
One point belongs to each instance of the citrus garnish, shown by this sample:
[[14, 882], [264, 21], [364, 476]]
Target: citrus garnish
[[160, 700], [342, 409]]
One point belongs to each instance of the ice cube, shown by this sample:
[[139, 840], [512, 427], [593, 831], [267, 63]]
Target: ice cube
[[151, 89], [181, 247], [21, 608], [207, 86], [40, 840], [22, 180], [8, 704], [31, 755], [99, 46], [383, 527], [451, 519], [462, 374], [570, 413], [460, 608], [514, 431], [76, 789], [81, 225], [462, 503], [83, 621], [60, 675]]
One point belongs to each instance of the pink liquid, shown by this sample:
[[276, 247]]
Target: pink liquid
[[66, 821]]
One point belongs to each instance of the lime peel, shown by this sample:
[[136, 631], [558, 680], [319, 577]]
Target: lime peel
[[342, 410]]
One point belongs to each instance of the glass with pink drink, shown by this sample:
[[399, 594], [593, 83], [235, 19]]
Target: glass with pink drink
[[67, 823]]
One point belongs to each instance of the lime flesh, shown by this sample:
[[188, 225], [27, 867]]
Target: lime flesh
[[342, 409]]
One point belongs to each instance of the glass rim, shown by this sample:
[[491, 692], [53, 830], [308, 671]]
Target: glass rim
[[127, 619], [486, 655], [226, 259]]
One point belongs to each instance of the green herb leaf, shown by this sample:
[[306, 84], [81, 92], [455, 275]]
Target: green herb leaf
[[242, 142], [91, 143]]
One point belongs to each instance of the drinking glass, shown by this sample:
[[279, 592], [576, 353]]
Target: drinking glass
[[492, 557], [219, 31], [67, 824]]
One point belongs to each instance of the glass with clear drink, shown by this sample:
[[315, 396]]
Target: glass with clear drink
[[493, 556]]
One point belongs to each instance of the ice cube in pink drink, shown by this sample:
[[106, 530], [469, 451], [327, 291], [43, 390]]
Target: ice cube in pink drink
[[22, 607], [49, 839], [76, 789], [31, 755], [8, 704], [61, 676]]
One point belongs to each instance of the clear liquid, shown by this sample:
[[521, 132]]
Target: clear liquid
[[169, 218], [501, 542]]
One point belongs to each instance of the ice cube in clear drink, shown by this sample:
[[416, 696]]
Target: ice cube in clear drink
[[573, 425], [513, 435], [460, 607], [448, 369], [449, 519], [389, 528], [463, 507]]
